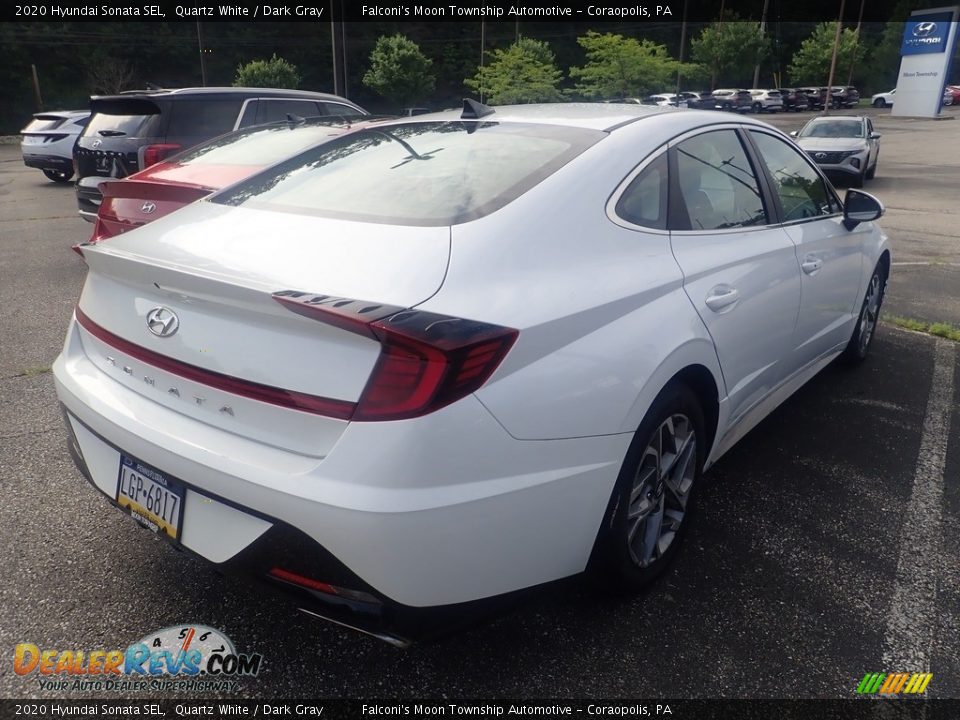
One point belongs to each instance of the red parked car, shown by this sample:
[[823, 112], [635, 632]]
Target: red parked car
[[954, 90], [195, 173]]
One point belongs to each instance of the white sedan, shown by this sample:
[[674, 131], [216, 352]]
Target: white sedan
[[458, 355]]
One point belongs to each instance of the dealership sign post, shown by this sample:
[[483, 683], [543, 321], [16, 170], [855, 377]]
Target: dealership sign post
[[929, 44]]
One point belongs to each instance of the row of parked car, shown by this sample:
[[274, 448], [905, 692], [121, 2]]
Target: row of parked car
[[757, 100]]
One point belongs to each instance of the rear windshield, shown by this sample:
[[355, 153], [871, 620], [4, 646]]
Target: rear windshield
[[427, 173], [42, 124], [118, 125], [259, 145]]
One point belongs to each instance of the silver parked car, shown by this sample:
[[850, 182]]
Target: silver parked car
[[49, 139], [844, 147]]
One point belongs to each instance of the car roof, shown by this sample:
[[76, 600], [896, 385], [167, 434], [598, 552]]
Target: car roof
[[242, 91], [591, 116]]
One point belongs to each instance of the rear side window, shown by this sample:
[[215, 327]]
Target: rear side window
[[717, 183], [334, 108], [644, 202], [202, 118], [274, 110], [424, 174]]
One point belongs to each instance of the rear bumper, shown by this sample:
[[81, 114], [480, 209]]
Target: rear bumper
[[445, 510], [48, 162], [89, 196]]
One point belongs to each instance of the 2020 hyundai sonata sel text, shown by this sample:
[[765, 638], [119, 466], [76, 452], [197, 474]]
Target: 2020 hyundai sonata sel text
[[458, 355]]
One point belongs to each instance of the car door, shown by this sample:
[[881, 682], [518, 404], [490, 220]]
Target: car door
[[830, 256], [740, 269]]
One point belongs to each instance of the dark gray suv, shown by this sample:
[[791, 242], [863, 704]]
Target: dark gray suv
[[133, 130]]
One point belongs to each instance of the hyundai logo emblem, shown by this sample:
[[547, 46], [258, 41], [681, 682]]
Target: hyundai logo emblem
[[820, 155], [148, 207], [96, 143], [924, 29], [162, 322]]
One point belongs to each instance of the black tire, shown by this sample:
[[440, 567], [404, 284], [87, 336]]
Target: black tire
[[879, 103], [58, 176], [872, 172], [726, 107], [758, 107], [857, 181], [859, 345], [614, 558]]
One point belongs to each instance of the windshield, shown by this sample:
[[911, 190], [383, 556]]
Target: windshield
[[259, 145], [834, 129], [426, 174]]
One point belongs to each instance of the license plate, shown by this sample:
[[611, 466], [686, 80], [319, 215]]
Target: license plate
[[153, 499]]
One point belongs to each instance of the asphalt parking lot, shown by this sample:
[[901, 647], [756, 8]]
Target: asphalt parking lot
[[826, 544]]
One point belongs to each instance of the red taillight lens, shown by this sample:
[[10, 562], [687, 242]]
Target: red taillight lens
[[152, 154], [426, 360]]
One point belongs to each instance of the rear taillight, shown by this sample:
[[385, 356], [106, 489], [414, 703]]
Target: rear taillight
[[308, 583], [152, 154], [426, 360]]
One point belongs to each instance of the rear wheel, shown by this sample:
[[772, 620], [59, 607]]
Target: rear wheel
[[859, 345], [59, 176], [879, 103], [648, 513], [758, 107]]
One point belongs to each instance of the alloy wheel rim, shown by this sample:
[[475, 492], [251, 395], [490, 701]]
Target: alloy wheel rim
[[871, 308], [661, 490]]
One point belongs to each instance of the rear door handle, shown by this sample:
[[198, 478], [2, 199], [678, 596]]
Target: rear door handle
[[810, 264], [722, 298]]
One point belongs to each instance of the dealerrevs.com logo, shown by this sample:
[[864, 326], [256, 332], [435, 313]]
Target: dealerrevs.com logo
[[182, 657]]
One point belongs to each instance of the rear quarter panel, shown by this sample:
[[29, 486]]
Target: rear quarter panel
[[604, 322]]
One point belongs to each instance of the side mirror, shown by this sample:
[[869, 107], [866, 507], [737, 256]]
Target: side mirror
[[793, 133], [859, 207], [875, 136]]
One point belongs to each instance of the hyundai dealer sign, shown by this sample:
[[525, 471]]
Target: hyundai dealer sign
[[928, 46], [926, 34]]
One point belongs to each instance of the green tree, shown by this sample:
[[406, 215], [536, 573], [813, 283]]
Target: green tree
[[811, 63], [621, 66], [523, 73], [273, 73], [731, 50], [399, 71]]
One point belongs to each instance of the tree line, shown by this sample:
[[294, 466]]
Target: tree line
[[75, 59]]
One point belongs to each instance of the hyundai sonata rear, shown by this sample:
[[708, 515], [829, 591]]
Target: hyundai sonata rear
[[439, 360]]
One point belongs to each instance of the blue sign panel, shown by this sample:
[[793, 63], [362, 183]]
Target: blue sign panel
[[926, 33]]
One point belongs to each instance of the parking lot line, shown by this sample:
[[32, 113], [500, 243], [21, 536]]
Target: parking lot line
[[913, 613]]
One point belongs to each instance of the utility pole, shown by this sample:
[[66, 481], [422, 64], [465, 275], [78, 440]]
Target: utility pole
[[203, 62], [853, 60], [36, 88], [833, 60], [716, 57], [683, 42], [335, 51], [483, 31], [763, 32]]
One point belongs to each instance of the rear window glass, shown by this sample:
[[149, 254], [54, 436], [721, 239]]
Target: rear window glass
[[415, 174], [258, 146], [118, 125], [42, 124], [203, 118]]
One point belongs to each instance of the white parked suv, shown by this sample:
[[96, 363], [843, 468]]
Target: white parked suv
[[766, 101], [452, 356], [48, 142]]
